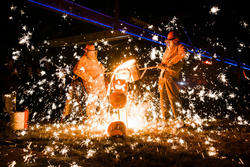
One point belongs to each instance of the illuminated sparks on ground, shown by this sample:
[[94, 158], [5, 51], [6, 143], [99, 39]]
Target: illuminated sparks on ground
[[212, 151], [90, 153], [64, 150], [23, 133], [74, 164], [175, 139], [12, 164]]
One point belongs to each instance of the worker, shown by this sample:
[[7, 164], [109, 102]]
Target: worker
[[171, 65], [92, 74]]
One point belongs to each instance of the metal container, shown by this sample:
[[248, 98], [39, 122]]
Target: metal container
[[19, 120], [134, 73], [128, 71], [117, 128]]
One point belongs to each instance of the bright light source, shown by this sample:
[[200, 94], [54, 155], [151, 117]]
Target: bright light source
[[208, 62], [182, 83], [214, 10]]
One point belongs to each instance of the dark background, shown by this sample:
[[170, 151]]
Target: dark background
[[225, 27]]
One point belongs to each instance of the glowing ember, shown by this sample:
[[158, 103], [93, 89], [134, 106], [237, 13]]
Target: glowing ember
[[12, 164], [125, 65], [214, 10], [90, 153], [212, 151]]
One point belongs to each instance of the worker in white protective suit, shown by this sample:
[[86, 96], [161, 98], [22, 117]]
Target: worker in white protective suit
[[91, 71], [171, 65]]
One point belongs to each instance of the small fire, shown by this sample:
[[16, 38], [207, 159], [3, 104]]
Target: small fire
[[123, 71]]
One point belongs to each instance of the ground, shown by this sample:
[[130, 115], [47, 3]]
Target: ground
[[216, 143]]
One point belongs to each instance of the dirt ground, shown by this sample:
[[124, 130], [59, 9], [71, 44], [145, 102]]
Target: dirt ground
[[218, 143]]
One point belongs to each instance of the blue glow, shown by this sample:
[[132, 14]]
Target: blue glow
[[246, 68], [185, 44], [231, 63], [245, 65], [182, 83], [209, 57]]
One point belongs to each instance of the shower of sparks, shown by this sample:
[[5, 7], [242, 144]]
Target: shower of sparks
[[141, 115], [214, 10]]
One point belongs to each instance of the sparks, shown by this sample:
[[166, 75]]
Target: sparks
[[90, 153], [25, 39], [214, 10]]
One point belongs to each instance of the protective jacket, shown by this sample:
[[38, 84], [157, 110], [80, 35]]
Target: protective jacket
[[91, 72], [169, 91], [173, 56]]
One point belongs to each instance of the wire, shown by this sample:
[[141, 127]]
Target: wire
[[245, 75]]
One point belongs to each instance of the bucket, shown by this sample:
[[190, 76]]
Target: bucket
[[123, 74], [130, 74], [128, 71], [19, 120], [117, 128], [134, 72]]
